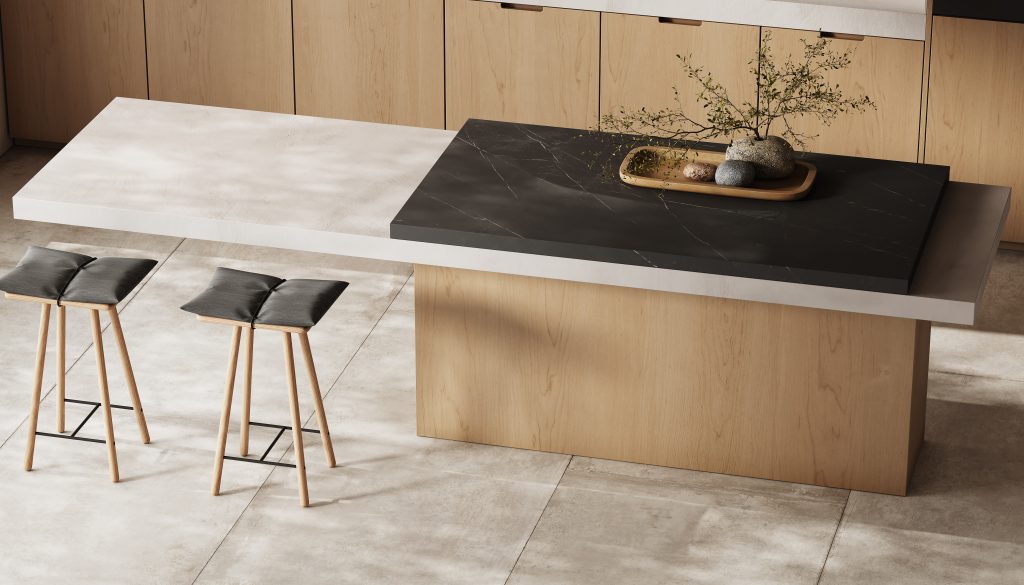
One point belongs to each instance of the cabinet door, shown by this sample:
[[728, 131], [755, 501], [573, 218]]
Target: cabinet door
[[66, 59], [372, 60], [976, 107], [640, 64], [231, 53], [887, 70], [536, 66]]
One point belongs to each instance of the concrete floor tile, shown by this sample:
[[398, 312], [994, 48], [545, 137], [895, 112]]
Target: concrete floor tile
[[611, 522], [962, 521]]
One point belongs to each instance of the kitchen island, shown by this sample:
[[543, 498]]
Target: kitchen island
[[691, 365]]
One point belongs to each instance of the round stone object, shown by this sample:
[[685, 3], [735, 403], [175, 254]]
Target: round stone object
[[699, 171], [773, 157], [735, 173]]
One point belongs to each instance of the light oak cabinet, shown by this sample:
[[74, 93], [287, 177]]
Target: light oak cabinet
[[372, 60], [66, 59], [887, 70], [518, 65], [976, 107], [640, 64], [230, 53]]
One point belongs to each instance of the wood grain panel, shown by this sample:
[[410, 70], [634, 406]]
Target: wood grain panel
[[66, 59], [795, 394], [976, 107], [640, 67], [538, 67], [230, 53], [371, 60], [887, 70]]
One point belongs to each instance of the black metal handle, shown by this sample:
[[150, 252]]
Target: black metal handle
[[523, 7], [840, 36], [683, 21]]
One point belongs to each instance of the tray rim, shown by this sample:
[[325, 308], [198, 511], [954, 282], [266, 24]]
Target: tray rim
[[790, 194]]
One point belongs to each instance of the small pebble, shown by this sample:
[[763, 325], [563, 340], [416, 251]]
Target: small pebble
[[699, 171], [735, 173]]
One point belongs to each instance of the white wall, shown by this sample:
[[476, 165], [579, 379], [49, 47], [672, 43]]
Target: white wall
[[5, 140]]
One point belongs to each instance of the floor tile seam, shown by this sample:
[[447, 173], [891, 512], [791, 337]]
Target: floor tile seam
[[832, 543], [540, 517], [85, 351]]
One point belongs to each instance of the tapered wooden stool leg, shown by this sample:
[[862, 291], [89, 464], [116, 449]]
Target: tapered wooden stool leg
[[246, 392], [318, 402], [293, 398], [129, 374], [101, 373], [37, 387], [225, 416], [61, 375]]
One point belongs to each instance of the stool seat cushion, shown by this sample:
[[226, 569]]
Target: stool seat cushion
[[57, 275], [259, 299]]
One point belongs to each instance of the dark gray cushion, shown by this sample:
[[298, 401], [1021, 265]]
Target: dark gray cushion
[[65, 276], [260, 299]]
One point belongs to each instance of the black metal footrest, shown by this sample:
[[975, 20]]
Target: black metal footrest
[[263, 460], [74, 434]]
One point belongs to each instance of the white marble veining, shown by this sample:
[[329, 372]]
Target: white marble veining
[[901, 19], [333, 186]]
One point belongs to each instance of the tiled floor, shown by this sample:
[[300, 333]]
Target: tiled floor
[[404, 509]]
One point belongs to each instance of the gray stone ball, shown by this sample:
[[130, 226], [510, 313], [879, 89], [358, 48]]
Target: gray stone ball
[[735, 173]]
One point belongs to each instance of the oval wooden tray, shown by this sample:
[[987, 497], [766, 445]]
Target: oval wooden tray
[[670, 176]]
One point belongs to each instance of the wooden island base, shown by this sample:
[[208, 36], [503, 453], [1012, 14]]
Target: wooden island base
[[812, 396]]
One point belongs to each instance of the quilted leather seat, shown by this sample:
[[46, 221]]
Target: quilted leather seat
[[57, 275], [259, 299]]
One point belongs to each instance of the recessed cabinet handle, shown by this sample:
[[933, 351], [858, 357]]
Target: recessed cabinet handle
[[523, 7], [840, 36], [683, 21]]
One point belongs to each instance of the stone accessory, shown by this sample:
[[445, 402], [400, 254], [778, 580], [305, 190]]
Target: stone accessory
[[773, 157], [701, 172], [735, 173]]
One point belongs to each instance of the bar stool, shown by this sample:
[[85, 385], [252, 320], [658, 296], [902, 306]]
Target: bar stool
[[65, 279], [250, 301]]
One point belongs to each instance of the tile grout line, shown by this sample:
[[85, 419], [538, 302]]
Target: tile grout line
[[88, 346], [308, 419], [832, 543], [539, 518]]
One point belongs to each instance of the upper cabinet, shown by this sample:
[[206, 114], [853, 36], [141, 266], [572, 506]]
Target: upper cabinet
[[976, 107], [231, 53], [66, 59], [372, 60], [887, 70], [521, 64], [640, 64]]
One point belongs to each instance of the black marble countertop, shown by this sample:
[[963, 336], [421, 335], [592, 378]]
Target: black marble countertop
[[1001, 10], [537, 190]]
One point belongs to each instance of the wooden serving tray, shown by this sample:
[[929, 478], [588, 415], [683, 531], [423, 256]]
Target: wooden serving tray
[[670, 176]]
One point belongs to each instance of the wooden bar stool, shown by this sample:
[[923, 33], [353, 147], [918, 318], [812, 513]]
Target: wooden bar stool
[[65, 279], [249, 301]]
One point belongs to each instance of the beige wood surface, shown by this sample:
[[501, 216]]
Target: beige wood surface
[[37, 385], [66, 59], [243, 448], [976, 107], [129, 373], [888, 71], [230, 53], [640, 67], [225, 413], [61, 367], [371, 60], [668, 174], [772, 391], [293, 402], [318, 401], [537, 67], [101, 377]]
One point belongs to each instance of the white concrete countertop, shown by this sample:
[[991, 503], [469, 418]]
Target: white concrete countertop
[[333, 186], [901, 19]]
